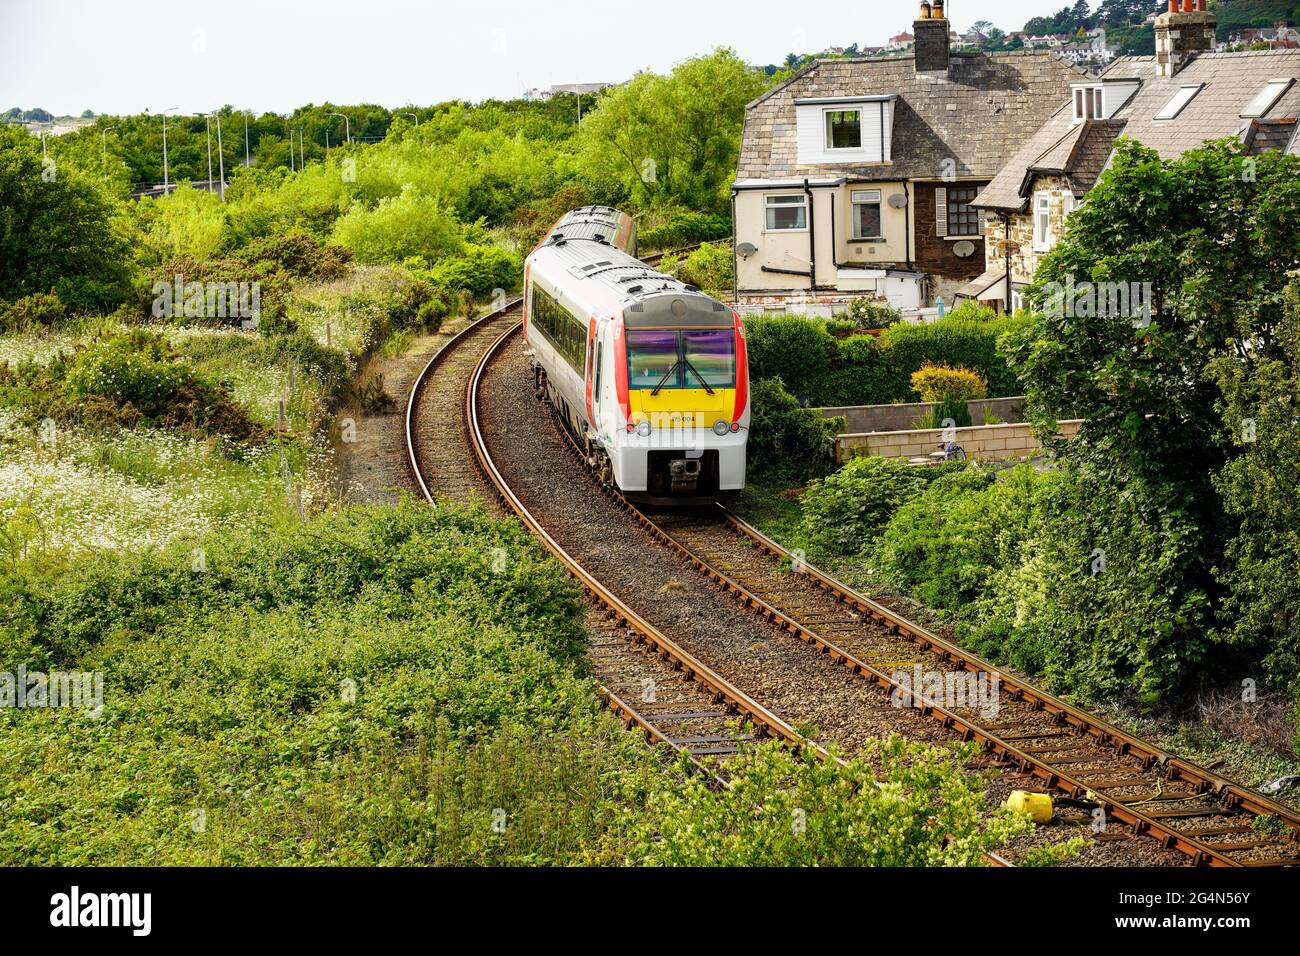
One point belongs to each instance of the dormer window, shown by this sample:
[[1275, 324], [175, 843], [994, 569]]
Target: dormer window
[[843, 129], [1266, 99], [1089, 103]]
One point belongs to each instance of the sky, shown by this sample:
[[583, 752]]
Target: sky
[[126, 56]]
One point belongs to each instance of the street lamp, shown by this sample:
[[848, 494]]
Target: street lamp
[[246, 161], [404, 113], [347, 126], [221, 161], [166, 175], [208, 117], [103, 149]]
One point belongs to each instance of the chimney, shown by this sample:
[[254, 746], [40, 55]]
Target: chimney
[[931, 32], [1181, 34]]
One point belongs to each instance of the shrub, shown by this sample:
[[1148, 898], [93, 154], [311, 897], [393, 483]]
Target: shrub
[[480, 270], [298, 254], [709, 268], [32, 311], [684, 229], [938, 383], [793, 349], [787, 440], [865, 313], [970, 310], [844, 512], [958, 343], [399, 227]]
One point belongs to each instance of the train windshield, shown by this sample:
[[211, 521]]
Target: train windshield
[[681, 358]]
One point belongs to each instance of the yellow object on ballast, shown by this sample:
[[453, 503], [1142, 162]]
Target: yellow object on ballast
[[1037, 805]]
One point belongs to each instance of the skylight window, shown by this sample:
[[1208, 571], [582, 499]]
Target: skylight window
[[1266, 98], [1179, 100]]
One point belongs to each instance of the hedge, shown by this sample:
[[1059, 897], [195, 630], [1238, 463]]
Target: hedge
[[867, 370]]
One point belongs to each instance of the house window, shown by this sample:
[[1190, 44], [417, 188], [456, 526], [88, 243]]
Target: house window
[[963, 218], [843, 129], [866, 214], [1178, 101], [1265, 98], [1089, 103], [787, 212], [1042, 221]]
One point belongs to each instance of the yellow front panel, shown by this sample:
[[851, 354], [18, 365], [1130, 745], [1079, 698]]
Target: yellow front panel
[[684, 407]]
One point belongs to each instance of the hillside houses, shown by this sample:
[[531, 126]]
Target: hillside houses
[[1172, 102], [857, 176]]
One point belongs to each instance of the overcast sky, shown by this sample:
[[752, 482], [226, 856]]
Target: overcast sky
[[123, 56]]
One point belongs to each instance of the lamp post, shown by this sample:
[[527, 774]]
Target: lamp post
[[246, 160], [166, 174], [208, 117], [347, 126], [415, 118], [221, 161]]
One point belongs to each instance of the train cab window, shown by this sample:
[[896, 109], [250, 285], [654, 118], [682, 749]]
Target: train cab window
[[681, 358], [711, 354], [566, 333], [652, 358]]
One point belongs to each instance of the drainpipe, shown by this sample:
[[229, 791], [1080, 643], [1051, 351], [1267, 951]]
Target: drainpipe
[[1006, 221], [812, 238], [835, 242], [907, 224], [735, 262]]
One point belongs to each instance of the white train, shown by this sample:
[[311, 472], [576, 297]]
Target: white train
[[648, 373]]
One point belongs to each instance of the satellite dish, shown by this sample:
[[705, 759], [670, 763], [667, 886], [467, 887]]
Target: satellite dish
[[746, 249], [898, 200], [965, 249]]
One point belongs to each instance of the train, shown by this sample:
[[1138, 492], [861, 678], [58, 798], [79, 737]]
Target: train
[[648, 373]]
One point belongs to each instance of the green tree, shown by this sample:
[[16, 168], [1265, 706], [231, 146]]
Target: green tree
[[674, 137], [57, 230]]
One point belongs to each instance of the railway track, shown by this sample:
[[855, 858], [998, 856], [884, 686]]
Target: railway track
[[1135, 785], [651, 683]]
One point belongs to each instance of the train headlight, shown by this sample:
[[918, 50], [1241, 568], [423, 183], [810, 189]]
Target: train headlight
[[643, 429], [721, 427]]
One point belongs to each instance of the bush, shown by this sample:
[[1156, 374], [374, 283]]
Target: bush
[[684, 229], [709, 268], [939, 383], [864, 313], [32, 311], [871, 370], [298, 254], [786, 440], [399, 227], [970, 310], [844, 512], [480, 270], [793, 349]]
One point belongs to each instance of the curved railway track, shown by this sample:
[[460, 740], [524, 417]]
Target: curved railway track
[[657, 686]]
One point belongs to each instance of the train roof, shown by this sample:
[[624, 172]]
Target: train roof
[[594, 270], [598, 223]]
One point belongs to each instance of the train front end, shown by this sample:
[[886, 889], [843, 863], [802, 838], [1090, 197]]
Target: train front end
[[683, 387]]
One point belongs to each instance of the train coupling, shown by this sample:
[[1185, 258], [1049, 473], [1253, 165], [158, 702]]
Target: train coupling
[[685, 474]]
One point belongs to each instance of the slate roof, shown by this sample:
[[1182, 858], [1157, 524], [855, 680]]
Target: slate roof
[[1231, 80], [985, 102]]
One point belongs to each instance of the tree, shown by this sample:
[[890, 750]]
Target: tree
[[672, 138], [56, 230], [1206, 241]]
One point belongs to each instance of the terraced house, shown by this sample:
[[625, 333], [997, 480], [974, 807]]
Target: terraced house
[[858, 176], [1172, 102]]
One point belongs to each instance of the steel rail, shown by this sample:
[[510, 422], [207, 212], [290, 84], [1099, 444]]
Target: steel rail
[[1175, 768]]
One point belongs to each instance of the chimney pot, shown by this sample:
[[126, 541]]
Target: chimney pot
[[1173, 6], [1189, 6], [937, 13], [925, 11]]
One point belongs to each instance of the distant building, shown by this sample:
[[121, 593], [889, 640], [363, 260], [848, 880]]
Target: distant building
[[904, 41]]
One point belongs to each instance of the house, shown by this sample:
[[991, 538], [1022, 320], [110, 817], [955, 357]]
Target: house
[[1172, 102], [904, 41], [1281, 36], [1093, 51], [856, 176]]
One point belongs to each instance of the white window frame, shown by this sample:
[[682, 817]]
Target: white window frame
[[1262, 102], [826, 129], [856, 199], [800, 200], [1042, 208], [1094, 103], [1179, 102]]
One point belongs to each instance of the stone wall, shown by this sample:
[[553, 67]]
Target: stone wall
[[980, 442], [893, 418]]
